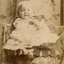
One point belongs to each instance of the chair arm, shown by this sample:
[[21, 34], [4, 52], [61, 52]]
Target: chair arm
[[6, 32]]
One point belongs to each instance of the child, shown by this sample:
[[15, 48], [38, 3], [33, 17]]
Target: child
[[28, 31]]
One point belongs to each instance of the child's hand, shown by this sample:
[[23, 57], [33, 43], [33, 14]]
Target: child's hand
[[31, 23]]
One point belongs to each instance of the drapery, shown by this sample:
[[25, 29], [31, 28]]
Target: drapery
[[44, 7]]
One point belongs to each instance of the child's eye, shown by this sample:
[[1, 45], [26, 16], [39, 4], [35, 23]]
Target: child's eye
[[22, 10]]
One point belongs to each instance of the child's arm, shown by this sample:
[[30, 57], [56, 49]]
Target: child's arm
[[44, 26], [41, 25], [16, 36]]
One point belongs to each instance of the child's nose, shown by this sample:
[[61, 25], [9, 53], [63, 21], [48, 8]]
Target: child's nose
[[26, 12]]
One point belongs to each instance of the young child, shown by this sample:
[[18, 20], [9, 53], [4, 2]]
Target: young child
[[28, 31]]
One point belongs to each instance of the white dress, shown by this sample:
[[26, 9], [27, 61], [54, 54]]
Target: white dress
[[31, 32]]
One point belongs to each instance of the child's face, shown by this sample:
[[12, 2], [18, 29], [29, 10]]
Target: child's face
[[25, 12]]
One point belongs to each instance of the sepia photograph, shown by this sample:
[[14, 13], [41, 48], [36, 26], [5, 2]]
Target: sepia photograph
[[31, 32]]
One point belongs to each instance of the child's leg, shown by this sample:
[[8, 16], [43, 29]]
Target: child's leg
[[10, 57]]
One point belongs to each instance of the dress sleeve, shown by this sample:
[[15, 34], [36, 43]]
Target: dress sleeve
[[16, 21]]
